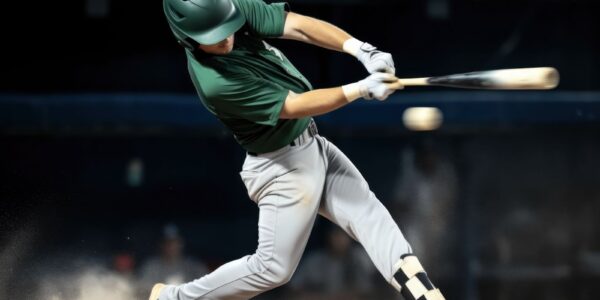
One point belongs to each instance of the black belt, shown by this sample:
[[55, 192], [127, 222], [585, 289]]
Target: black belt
[[312, 131]]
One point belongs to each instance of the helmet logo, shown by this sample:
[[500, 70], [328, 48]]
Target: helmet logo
[[175, 14]]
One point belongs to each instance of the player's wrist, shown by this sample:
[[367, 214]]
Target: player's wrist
[[352, 91], [352, 46]]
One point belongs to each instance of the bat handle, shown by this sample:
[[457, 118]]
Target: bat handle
[[414, 81]]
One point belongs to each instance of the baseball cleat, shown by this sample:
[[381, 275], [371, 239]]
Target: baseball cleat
[[156, 291], [412, 282]]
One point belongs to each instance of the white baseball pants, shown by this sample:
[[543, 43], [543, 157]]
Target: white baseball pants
[[290, 186]]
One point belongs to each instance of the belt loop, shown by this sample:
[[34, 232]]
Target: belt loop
[[312, 128], [308, 133]]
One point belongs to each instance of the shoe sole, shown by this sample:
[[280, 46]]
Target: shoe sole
[[156, 291]]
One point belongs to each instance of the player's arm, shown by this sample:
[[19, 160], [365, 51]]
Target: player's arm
[[322, 101], [314, 31], [323, 34]]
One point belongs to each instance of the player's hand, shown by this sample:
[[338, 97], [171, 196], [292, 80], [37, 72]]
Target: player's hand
[[379, 86], [376, 61]]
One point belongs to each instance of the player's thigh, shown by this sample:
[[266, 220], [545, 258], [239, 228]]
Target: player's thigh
[[347, 196], [287, 215]]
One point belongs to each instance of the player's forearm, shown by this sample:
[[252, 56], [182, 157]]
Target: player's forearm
[[317, 102], [316, 32], [326, 35]]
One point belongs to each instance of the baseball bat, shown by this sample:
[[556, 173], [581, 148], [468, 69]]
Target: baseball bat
[[506, 79]]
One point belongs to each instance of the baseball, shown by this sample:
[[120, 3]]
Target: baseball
[[422, 118]]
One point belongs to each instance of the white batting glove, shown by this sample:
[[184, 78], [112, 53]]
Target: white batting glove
[[377, 86], [375, 61]]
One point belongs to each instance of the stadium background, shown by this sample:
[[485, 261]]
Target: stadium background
[[103, 142]]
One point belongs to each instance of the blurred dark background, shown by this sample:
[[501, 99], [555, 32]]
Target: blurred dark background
[[105, 149]]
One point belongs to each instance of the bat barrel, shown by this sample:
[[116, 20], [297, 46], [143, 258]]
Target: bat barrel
[[508, 79]]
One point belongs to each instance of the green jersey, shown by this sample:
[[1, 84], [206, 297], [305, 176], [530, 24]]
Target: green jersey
[[246, 89]]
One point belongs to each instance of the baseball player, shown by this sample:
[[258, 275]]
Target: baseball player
[[290, 171]]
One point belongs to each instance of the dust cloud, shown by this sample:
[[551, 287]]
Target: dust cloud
[[92, 284]]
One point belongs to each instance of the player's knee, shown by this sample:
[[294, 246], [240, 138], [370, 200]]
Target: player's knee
[[272, 273], [280, 276]]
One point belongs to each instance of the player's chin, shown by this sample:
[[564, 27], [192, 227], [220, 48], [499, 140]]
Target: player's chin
[[224, 51]]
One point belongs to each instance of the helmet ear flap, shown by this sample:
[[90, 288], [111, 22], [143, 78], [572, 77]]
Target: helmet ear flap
[[188, 43]]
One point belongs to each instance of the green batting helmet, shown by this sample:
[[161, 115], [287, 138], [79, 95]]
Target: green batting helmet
[[206, 22]]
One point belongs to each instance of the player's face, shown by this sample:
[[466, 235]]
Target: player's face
[[221, 48]]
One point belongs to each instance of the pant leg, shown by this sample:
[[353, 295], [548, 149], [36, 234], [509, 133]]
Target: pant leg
[[288, 189], [348, 202]]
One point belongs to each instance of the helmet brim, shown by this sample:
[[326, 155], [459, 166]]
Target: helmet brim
[[230, 26]]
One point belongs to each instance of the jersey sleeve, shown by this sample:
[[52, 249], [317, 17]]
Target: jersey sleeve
[[266, 20], [248, 97]]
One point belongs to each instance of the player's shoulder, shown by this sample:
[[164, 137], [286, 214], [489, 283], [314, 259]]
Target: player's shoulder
[[243, 4], [211, 75], [247, 6], [248, 2]]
